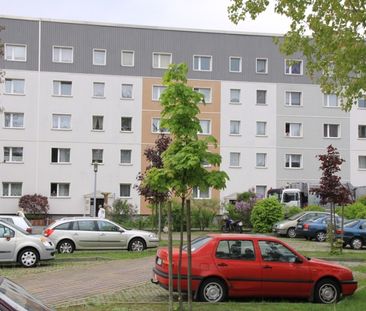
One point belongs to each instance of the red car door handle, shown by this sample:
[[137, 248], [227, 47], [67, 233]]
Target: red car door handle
[[267, 267], [222, 264]]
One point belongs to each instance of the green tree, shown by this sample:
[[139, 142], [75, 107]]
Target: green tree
[[183, 169], [331, 34]]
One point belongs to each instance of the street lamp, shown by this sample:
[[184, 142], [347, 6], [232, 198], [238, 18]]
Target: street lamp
[[95, 166]]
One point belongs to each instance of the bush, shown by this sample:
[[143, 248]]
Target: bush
[[122, 211], [353, 211], [35, 204], [292, 210], [203, 213], [314, 208], [265, 213], [362, 200]]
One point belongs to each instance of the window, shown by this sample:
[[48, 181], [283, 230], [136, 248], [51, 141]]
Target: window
[[127, 90], [14, 120], [162, 60], [60, 155], [293, 161], [362, 131], [234, 96], [62, 54], [62, 88], [293, 67], [97, 155], [61, 121], [261, 129], [293, 98], [126, 156], [331, 130], [14, 86], [361, 102], [261, 160], [234, 159], [157, 91], [156, 128], [235, 250], [12, 189], [205, 127], [127, 58], [202, 63], [98, 123], [201, 193], [234, 127], [99, 57], [126, 124], [276, 252], [261, 191], [362, 162], [261, 65], [206, 92], [293, 129], [234, 64], [331, 100], [13, 154], [98, 89], [60, 189], [261, 97], [125, 190], [15, 52]]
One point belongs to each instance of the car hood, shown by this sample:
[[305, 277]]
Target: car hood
[[326, 264]]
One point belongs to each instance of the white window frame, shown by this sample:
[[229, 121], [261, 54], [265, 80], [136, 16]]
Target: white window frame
[[11, 155], [105, 57], [127, 131], [159, 55], [11, 56], [133, 58], [265, 128], [230, 128], [231, 160], [361, 102], [231, 97], [95, 95], [10, 186], [57, 194], [359, 162], [59, 88], [95, 151], [266, 97], [120, 194], [256, 65], [160, 88], [95, 129], [265, 160], [59, 116], [11, 125], [131, 87], [240, 64], [198, 191], [290, 100], [326, 101], [290, 132], [59, 58], [156, 128], [59, 156], [262, 186], [199, 63], [327, 126], [359, 131], [120, 157], [290, 160], [207, 100], [210, 127], [12, 89], [288, 68]]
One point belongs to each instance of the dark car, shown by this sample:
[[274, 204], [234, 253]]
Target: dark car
[[315, 228], [354, 233], [237, 265], [15, 298]]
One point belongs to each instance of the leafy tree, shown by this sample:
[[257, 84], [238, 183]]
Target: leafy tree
[[183, 169], [34, 204], [330, 34], [331, 190], [265, 213]]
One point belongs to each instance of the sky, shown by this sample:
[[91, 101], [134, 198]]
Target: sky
[[193, 14]]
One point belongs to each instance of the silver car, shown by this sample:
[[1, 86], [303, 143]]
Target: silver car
[[17, 245], [76, 233]]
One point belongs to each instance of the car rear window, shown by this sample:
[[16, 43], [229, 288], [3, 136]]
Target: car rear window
[[9, 220], [198, 243], [235, 249]]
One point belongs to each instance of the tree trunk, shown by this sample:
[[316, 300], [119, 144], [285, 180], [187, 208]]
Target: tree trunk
[[189, 256], [159, 221], [180, 298], [170, 255]]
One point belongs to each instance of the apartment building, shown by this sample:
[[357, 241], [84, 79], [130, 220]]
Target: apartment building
[[76, 93]]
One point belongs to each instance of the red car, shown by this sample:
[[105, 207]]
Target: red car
[[236, 265]]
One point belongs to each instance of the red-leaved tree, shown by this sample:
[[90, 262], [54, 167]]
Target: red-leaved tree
[[34, 204]]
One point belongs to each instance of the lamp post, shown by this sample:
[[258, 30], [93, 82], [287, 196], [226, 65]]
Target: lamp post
[[95, 166]]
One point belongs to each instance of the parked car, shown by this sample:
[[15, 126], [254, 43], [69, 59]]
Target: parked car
[[14, 297], [354, 233], [20, 221], [315, 228], [20, 246], [76, 233], [288, 226], [234, 265]]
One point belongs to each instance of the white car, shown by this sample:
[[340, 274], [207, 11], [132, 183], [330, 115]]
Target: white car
[[19, 221]]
